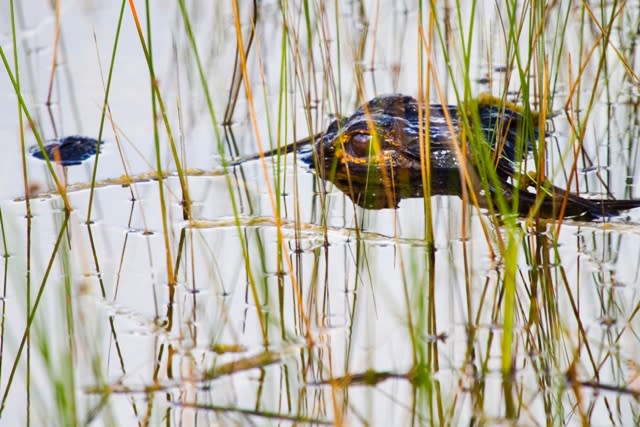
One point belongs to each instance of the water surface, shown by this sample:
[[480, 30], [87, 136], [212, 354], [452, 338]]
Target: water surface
[[289, 307]]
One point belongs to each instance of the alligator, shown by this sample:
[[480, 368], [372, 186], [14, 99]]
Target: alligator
[[375, 157]]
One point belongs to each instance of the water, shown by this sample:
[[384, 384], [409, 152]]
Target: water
[[325, 312]]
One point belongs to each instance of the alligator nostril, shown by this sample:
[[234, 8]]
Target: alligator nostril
[[328, 147]]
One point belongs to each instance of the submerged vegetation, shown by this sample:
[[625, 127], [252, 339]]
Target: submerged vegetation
[[180, 279]]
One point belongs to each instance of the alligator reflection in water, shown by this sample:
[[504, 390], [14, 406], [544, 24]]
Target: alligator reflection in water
[[373, 156]]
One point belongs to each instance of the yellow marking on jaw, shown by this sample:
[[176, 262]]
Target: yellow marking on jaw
[[346, 159]]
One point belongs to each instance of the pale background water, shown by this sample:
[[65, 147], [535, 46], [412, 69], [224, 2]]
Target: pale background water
[[359, 293]]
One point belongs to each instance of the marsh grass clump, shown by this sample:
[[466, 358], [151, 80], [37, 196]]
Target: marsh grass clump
[[227, 276]]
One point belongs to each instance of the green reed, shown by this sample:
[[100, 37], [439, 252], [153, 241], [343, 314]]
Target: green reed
[[105, 105], [509, 233], [225, 162], [16, 66], [538, 72], [521, 303]]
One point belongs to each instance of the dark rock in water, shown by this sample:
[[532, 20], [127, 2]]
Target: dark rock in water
[[69, 150]]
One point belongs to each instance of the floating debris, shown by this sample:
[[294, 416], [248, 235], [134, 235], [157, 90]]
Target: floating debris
[[228, 348], [67, 151], [121, 181], [367, 378]]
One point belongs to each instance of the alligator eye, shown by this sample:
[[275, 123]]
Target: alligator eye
[[359, 145]]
